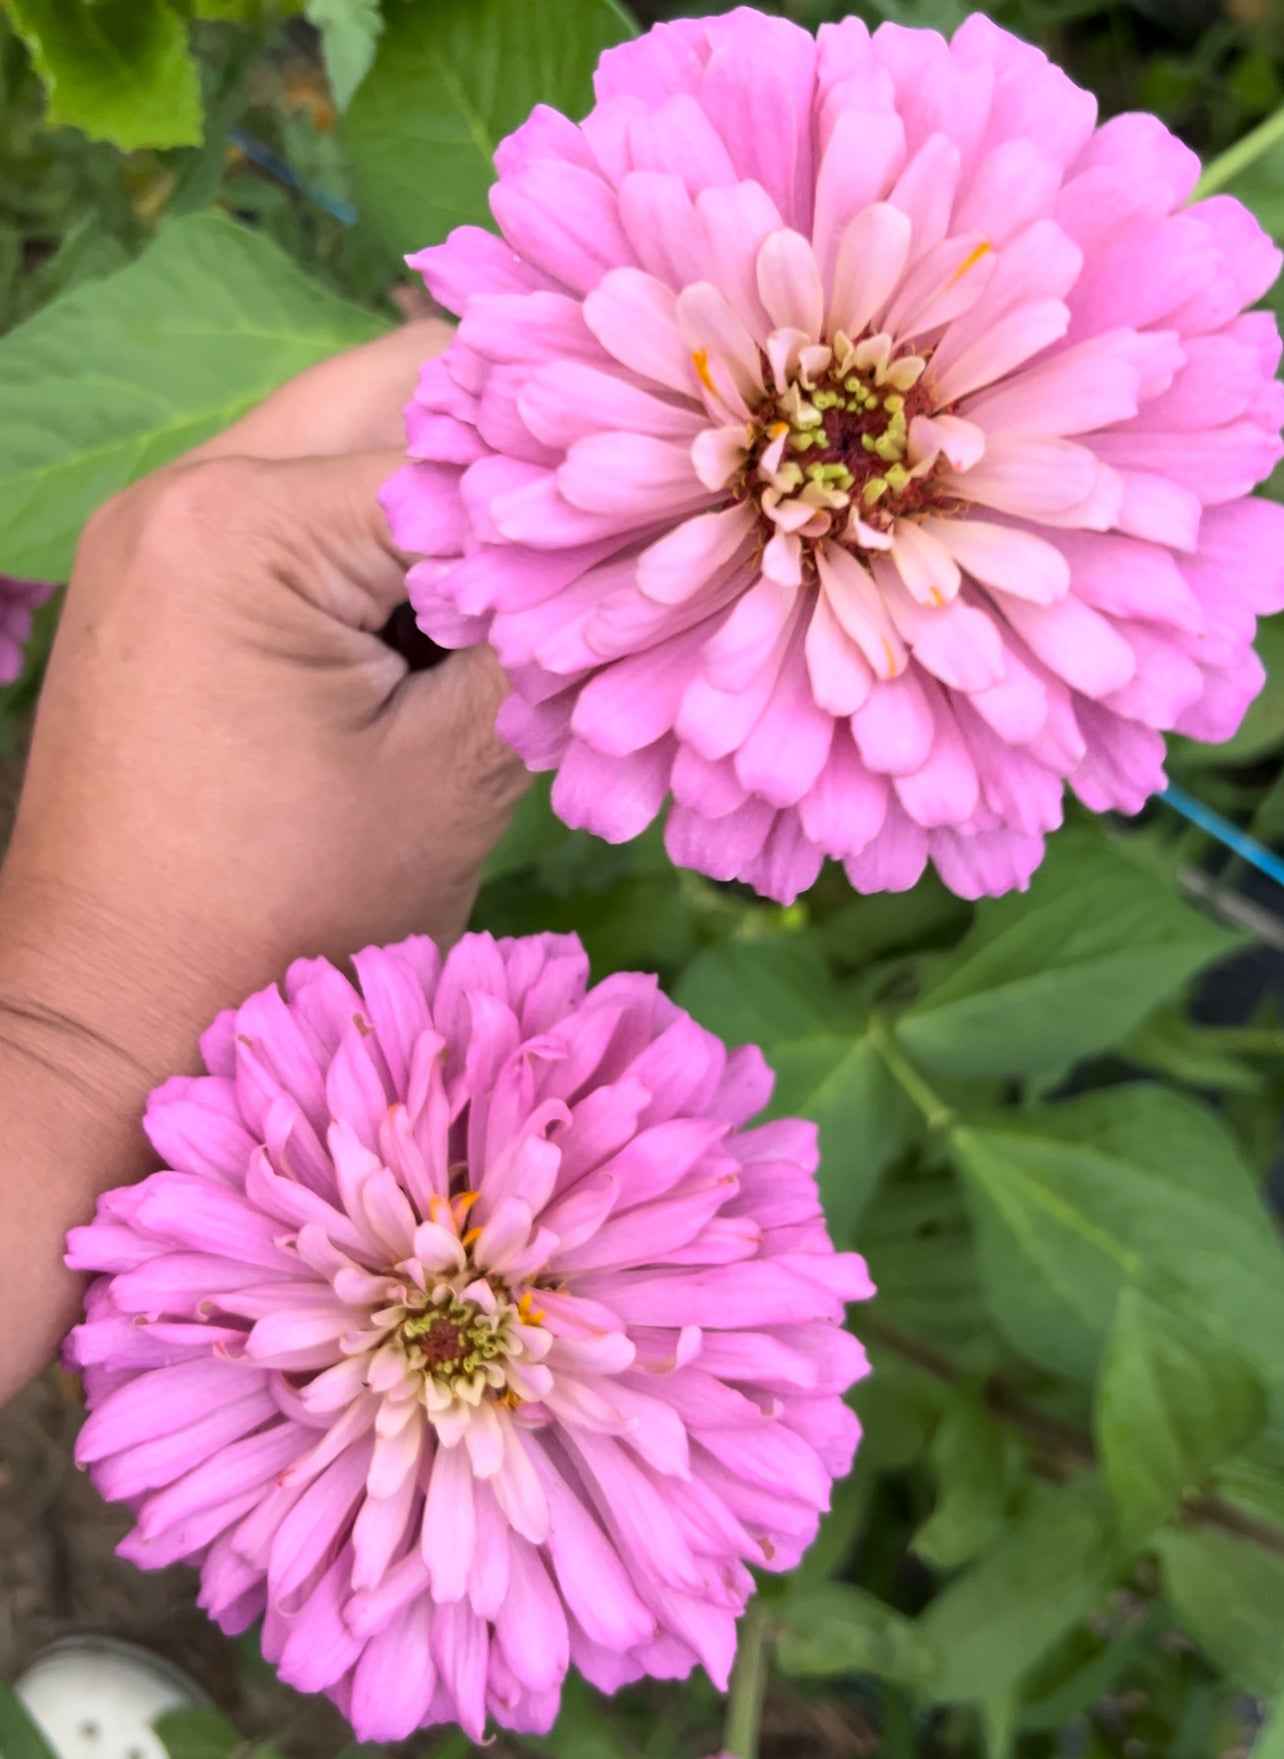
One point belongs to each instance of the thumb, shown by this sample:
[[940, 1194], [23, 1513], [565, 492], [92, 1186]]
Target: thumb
[[444, 722]]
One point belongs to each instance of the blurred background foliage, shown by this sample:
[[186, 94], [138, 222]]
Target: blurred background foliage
[[1051, 1121]]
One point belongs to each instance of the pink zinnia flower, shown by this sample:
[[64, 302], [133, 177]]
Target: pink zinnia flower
[[18, 599], [470, 1335], [850, 439]]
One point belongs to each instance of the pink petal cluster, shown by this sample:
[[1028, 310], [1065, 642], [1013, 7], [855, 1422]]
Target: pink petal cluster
[[850, 440], [469, 1334], [18, 599]]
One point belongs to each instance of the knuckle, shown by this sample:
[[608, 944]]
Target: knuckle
[[195, 504]]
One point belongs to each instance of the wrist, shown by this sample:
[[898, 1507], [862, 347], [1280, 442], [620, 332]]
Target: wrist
[[100, 1001]]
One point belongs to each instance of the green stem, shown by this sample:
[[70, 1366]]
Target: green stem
[[748, 1685], [937, 1114], [1238, 158]]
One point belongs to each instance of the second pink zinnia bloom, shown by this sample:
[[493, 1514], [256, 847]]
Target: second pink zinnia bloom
[[850, 440], [472, 1331]]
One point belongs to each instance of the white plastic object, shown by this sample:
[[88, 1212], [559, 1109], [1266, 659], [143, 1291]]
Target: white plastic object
[[95, 1698]]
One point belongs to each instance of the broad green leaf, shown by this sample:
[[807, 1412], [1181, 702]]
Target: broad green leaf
[[1228, 1594], [1131, 1185], [922, 1256], [349, 35], [778, 992], [1270, 1742], [1048, 1571], [1054, 1706], [118, 70], [763, 991], [1064, 971], [120, 376], [974, 1460], [1254, 1479], [864, 1118], [898, 1407], [450, 79], [1210, 1057], [870, 927], [20, 1736], [197, 1734], [840, 1629], [1171, 1401], [999, 1721], [257, 12]]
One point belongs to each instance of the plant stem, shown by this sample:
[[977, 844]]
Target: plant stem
[[1238, 158], [937, 1114], [748, 1685]]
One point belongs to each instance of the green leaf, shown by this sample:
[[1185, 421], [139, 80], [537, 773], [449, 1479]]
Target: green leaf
[[450, 79], [1171, 1401], [778, 992], [1049, 1570], [20, 1736], [763, 991], [1193, 1055], [349, 35], [1133, 1184], [1228, 1593], [864, 1118], [196, 1734], [1064, 971], [922, 1257], [119, 377], [999, 1720], [118, 70], [840, 1629], [974, 1460], [1270, 1742], [1053, 1706]]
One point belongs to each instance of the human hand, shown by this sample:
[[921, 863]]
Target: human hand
[[229, 768]]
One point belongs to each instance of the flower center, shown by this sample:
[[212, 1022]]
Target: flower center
[[835, 452], [457, 1342]]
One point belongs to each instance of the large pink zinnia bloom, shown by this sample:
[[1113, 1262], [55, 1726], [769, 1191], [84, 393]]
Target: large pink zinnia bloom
[[850, 439], [18, 599], [470, 1335]]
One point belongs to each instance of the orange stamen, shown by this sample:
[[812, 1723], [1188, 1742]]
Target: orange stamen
[[969, 262], [700, 361]]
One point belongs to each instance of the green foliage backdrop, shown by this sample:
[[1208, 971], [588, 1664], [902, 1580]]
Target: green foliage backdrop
[[1064, 1538]]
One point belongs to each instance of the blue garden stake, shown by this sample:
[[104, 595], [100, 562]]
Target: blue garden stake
[[1226, 833], [277, 167]]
